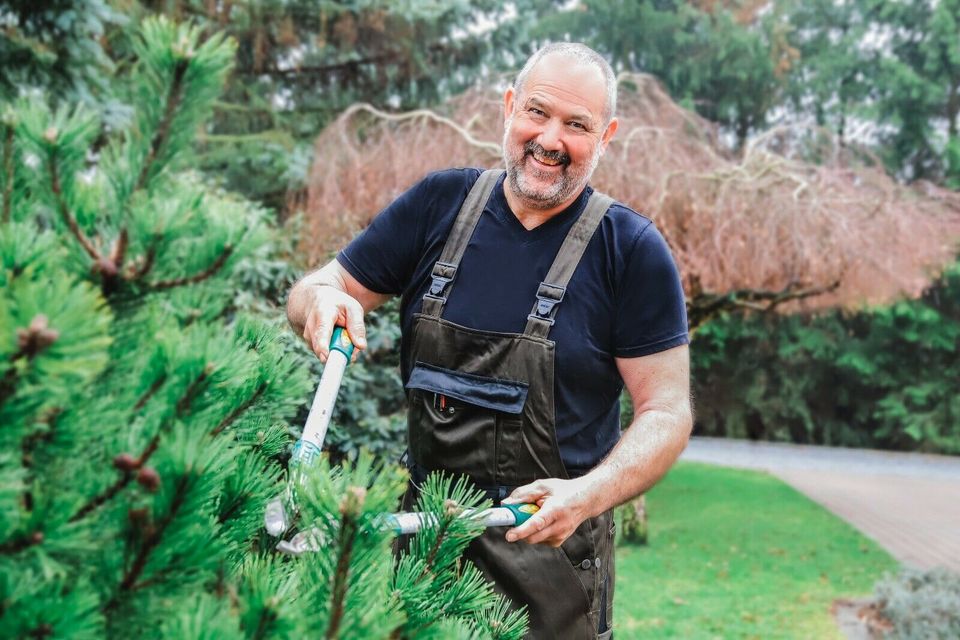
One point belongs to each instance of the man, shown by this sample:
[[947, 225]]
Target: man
[[528, 301]]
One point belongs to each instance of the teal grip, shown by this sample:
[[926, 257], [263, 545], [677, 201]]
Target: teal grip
[[521, 512], [340, 341]]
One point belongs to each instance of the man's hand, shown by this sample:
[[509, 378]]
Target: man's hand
[[659, 385], [332, 307], [564, 504], [325, 299]]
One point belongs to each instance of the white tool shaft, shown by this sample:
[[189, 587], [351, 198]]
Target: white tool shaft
[[318, 420], [406, 523]]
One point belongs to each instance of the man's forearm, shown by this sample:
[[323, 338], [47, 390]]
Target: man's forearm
[[644, 454]]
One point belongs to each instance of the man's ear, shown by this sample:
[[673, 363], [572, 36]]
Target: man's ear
[[608, 134], [508, 98]]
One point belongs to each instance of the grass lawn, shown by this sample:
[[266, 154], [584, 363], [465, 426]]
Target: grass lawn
[[739, 554]]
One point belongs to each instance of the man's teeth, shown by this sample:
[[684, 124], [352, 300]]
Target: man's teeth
[[548, 161]]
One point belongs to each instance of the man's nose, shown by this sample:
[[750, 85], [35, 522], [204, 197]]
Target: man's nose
[[550, 137]]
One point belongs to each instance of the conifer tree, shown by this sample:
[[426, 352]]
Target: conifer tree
[[142, 412]]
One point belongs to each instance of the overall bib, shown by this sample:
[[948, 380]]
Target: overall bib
[[481, 403]]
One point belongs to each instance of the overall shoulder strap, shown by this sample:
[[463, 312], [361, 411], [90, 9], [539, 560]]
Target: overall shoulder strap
[[445, 269], [554, 285]]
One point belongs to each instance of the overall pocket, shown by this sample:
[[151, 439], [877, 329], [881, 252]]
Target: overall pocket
[[454, 418]]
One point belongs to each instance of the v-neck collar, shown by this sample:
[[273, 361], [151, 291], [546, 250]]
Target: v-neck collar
[[557, 221]]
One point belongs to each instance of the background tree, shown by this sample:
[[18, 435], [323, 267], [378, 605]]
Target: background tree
[[56, 46], [839, 58], [721, 59], [887, 73], [921, 85]]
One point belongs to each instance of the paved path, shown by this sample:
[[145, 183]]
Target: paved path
[[908, 502]]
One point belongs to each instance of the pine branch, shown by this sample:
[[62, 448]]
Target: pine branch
[[233, 508], [266, 617], [119, 251], [174, 97], [350, 508], [442, 532], [183, 404], [41, 632], [340, 576], [15, 546], [148, 451], [432, 554], [199, 277], [30, 444], [8, 384], [65, 214], [451, 510], [103, 497], [153, 539], [236, 413], [149, 257], [110, 492], [7, 172], [141, 403]]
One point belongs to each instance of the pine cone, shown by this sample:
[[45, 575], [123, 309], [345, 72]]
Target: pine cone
[[149, 479], [125, 462]]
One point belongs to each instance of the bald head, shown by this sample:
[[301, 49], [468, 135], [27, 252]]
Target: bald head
[[577, 53]]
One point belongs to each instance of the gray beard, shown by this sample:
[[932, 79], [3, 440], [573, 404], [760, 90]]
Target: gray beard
[[557, 193]]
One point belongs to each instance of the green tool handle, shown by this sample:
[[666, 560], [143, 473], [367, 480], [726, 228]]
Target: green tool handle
[[340, 341]]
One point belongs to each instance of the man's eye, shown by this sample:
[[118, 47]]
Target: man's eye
[[578, 125], [537, 112]]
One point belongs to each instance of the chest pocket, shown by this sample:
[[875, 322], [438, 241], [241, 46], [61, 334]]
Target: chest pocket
[[459, 420]]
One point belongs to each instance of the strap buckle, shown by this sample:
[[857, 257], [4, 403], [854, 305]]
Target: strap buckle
[[548, 297], [442, 275], [438, 285]]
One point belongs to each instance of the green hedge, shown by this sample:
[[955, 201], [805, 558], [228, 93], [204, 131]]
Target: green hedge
[[885, 377]]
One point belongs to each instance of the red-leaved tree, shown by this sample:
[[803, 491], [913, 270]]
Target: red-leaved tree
[[792, 217]]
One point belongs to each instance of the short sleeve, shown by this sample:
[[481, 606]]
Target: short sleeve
[[651, 313], [384, 256]]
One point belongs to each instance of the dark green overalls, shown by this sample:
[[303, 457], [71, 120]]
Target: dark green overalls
[[481, 404]]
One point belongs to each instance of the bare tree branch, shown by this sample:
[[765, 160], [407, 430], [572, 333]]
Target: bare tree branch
[[703, 307]]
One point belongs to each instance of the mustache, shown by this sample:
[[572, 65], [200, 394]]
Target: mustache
[[534, 148]]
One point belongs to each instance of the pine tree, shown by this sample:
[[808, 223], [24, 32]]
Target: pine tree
[[142, 411]]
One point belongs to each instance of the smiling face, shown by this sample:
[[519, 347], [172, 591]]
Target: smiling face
[[554, 133]]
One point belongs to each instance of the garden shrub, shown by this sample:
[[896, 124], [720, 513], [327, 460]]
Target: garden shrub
[[884, 377], [921, 605]]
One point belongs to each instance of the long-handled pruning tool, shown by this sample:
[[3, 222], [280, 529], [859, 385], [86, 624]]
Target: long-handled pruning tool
[[278, 516]]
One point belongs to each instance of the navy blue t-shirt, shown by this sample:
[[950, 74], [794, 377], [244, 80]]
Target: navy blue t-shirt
[[624, 299]]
